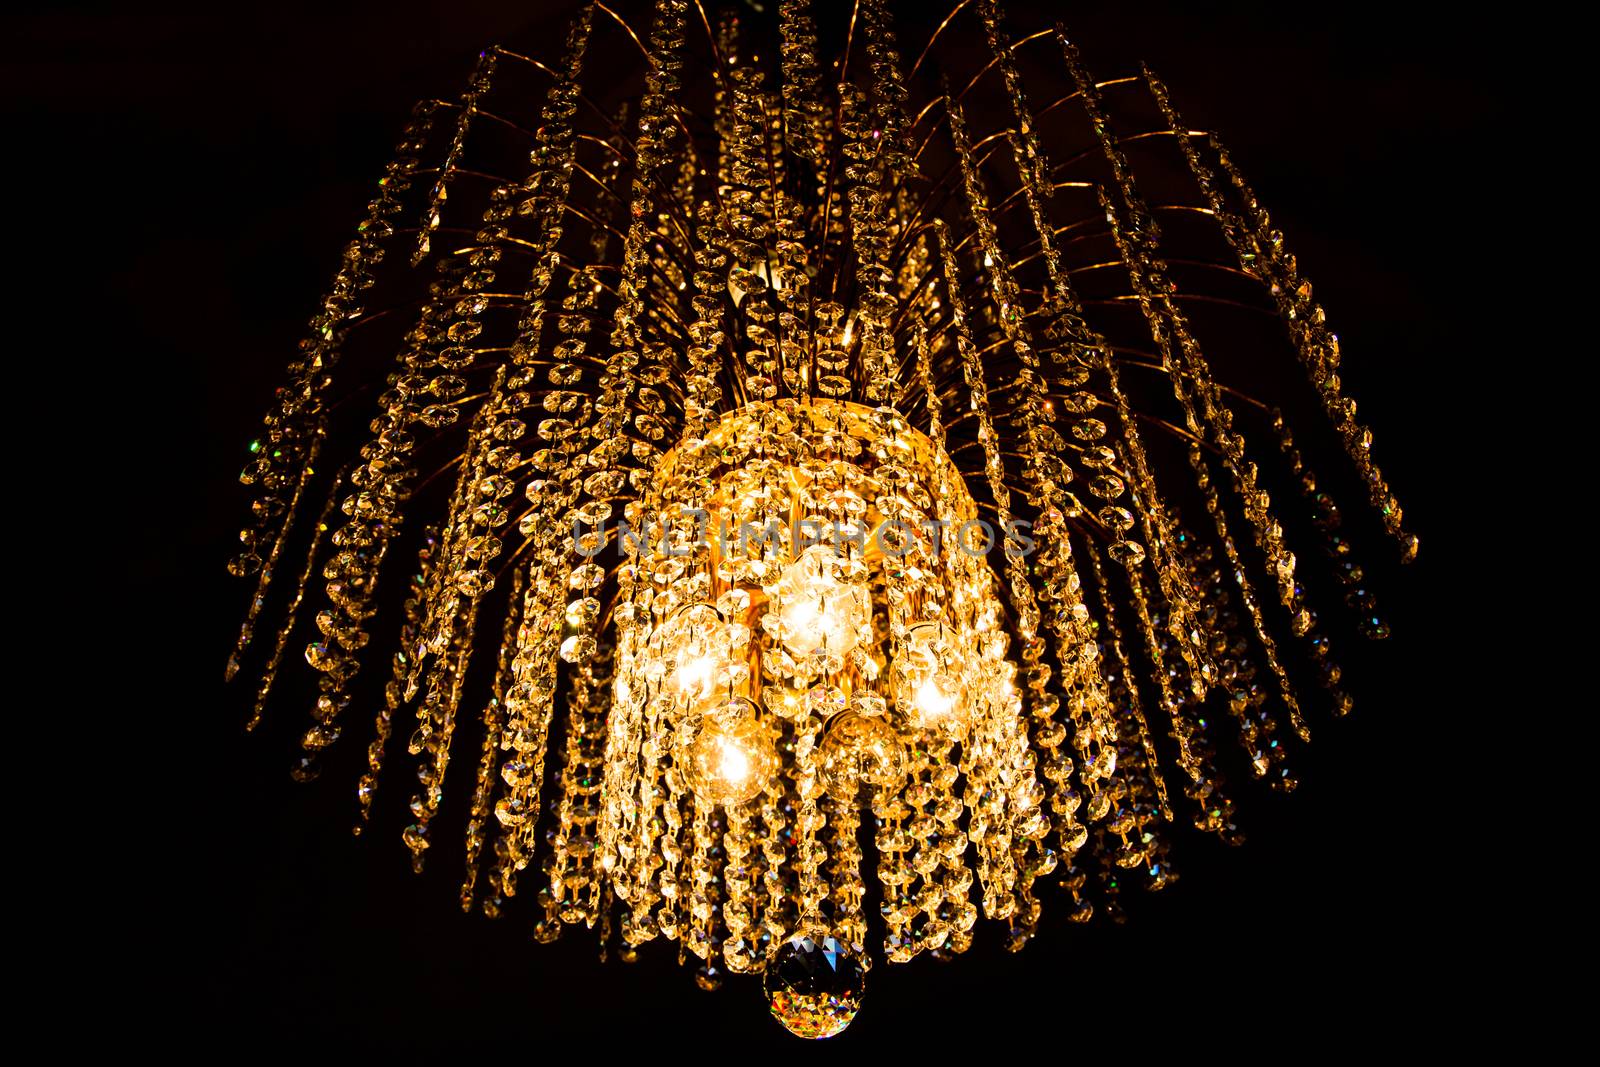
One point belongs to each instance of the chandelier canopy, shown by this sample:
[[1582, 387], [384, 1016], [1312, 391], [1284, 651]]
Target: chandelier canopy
[[815, 508]]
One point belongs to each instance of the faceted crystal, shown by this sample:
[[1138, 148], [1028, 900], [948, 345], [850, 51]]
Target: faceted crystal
[[814, 986]]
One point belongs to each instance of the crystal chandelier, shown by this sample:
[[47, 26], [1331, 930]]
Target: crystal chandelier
[[814, 505]]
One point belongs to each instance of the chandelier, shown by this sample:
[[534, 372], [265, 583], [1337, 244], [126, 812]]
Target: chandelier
[[811, 508]]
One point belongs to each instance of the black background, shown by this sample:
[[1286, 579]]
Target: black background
[[216, 159]]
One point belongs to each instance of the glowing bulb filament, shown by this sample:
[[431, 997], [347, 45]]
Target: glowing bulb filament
[[933, 702], [735, 763], [694, 676]]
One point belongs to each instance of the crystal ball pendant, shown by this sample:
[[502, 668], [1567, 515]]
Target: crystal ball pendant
[[814, 986]]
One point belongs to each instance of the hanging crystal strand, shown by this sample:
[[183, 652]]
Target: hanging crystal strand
[[436, 712], [871, 129], [1048, 734], [654, 149], [1135, 232], [530, 699], [530, 702], [1335, 545], [674, 843], [1247, 595], [431, 773], [570, 891], [919, 345], [944, 844], [889, 95], [921, 833], [895, 873], [292, 613], [547, 523], [483, 790], [849, 922], [703, 398], [1135, 706], [470, 554], [375, 509], [477, 87], [1082, 351], [618, 847], [1139, 791], [1088, 706], [1215, 809], [1205, 411], [875, 305], [1169, 551], [570, 867], [1021, 825], [742, 912], [703, 897], [952, 908], [1186, 615], [878, 161], [757, 229], [748, 208], [805, 117], [482, 504], [809, 851], [1247, 700], [247, 630], [790, 270], [662, 792], [986, 828], [727, 36], [644, 844], [394, 690], [293, 426], [778, 876], [1261, 253]]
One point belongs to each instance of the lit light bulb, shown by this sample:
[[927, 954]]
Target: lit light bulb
[[818, 611], [929, 682], [728, 762], [860, 753]]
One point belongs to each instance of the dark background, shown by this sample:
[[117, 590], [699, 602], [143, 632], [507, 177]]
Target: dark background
[[212, 162]]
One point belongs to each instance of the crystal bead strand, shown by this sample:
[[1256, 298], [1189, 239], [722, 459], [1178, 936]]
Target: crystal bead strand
[[291, 615], [493, 723], [653, 147], [1057, 768], [1135, 706], [1135, 234], [247, 629], [804, 116], [478, 86], [1084, 351], [1325, 516], [574, 879], [1093, 734], [293, 425], [394, 689], [436, 712], [1261, 253]]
